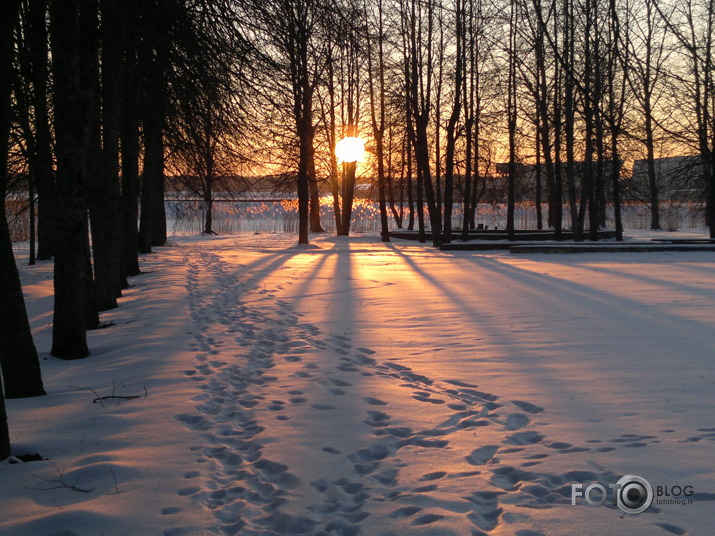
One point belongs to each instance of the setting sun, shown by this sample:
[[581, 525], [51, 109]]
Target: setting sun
[[350, 149]]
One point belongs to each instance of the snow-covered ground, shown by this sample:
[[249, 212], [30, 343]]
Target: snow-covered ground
[[354, 387]]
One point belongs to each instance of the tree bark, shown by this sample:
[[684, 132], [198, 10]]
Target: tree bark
[[153, 67], [72, 271], [454, 116], [377, 116], [511, 124], [43, 167], [130, 146], [113, 27], [8, 19], [18, 356], [101, 194]]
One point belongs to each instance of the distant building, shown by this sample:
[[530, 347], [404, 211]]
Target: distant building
[[526, 177], [678, 178]]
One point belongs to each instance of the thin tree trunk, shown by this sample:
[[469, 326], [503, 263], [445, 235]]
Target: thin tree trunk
[[652, 177], [570, 115], [452, 122], [130, 147], [410, 190], [378, 122], [43, 168], [538, 185], [512, 123]]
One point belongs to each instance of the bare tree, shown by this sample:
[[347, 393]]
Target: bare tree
[[692, 23], [377, 112], [41, 155], [284, 37], [419, 21], [460, 57], [512, 115], [646, 56]]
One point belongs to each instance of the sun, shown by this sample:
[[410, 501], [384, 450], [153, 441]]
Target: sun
[[350, 149]]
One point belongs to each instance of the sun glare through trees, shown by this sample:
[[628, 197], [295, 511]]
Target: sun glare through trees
[[330, 215]]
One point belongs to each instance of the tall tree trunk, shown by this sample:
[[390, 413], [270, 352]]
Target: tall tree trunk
[[18, 356], [130, 146], [72, 271], [8, 19], [43, 168], [570, 113], [538, 186], [153, 66], [113, 27], [556, 195], [452, 122], [101, 207], [377, 115], [616, 101], [303, 114], [331, 129], [511, 124]]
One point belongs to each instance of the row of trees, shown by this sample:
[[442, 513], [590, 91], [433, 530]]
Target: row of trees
[[447, 90], [100, 97], [87, 90]]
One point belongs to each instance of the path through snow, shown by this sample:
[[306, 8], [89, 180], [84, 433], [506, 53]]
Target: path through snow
[[337, 393]]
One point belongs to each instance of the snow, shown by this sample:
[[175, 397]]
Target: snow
[[357, 387]]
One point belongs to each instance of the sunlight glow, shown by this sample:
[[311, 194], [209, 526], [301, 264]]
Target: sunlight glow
[[350, 149]]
